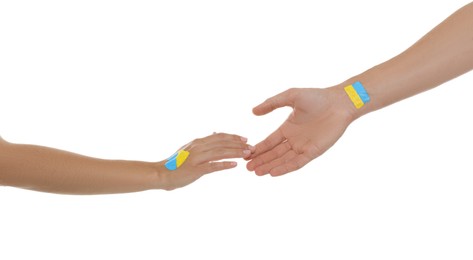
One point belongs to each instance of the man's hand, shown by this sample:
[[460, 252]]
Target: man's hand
[[319, 118]]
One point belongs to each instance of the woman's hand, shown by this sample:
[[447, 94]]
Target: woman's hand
[[204, 157]]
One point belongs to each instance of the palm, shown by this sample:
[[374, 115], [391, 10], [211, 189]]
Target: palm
[[312, 128]]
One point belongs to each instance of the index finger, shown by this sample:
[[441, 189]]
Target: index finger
[[216, 137]]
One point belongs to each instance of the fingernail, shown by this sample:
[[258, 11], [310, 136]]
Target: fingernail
[[243, 139], [252, 148], [233, 164], [246, 152]]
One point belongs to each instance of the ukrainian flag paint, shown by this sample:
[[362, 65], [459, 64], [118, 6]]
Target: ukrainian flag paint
[[357, 94], [176, 160]]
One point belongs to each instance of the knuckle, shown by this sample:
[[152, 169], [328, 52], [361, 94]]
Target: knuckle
[[293, 92]]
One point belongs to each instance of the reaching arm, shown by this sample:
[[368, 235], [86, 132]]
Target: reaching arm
[[441, 55], [321, 116], [51, 170]]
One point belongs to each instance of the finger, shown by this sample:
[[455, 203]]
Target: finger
[[223, 137], [269, 143], [218, 166], [269, 156], [219, 154], [270, 104], [266, 168], [223, 144], [292, 165]]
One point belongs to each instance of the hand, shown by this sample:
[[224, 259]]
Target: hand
[[319, 118], [203, 156]]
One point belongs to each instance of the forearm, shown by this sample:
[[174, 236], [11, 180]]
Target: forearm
[[320, 116], [51, 170], [443, 54]]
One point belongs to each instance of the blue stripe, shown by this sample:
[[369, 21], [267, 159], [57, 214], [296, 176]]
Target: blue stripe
[[171, 163], [361, 92]]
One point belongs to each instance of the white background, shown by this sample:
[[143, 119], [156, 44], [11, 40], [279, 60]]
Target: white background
[[138, 79]]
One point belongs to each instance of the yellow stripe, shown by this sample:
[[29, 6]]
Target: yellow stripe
[[353, 95], [181, 157]]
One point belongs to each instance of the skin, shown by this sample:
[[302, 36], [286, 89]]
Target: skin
[[50, 170], [320, 116]]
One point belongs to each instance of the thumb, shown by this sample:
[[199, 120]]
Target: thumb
[[280, 100]]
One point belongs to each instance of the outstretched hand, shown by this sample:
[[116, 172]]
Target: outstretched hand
[[318, 120], [204, 157]]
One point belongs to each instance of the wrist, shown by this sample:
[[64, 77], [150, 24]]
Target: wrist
[[347, 104], [160, 180], [342, 103]]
